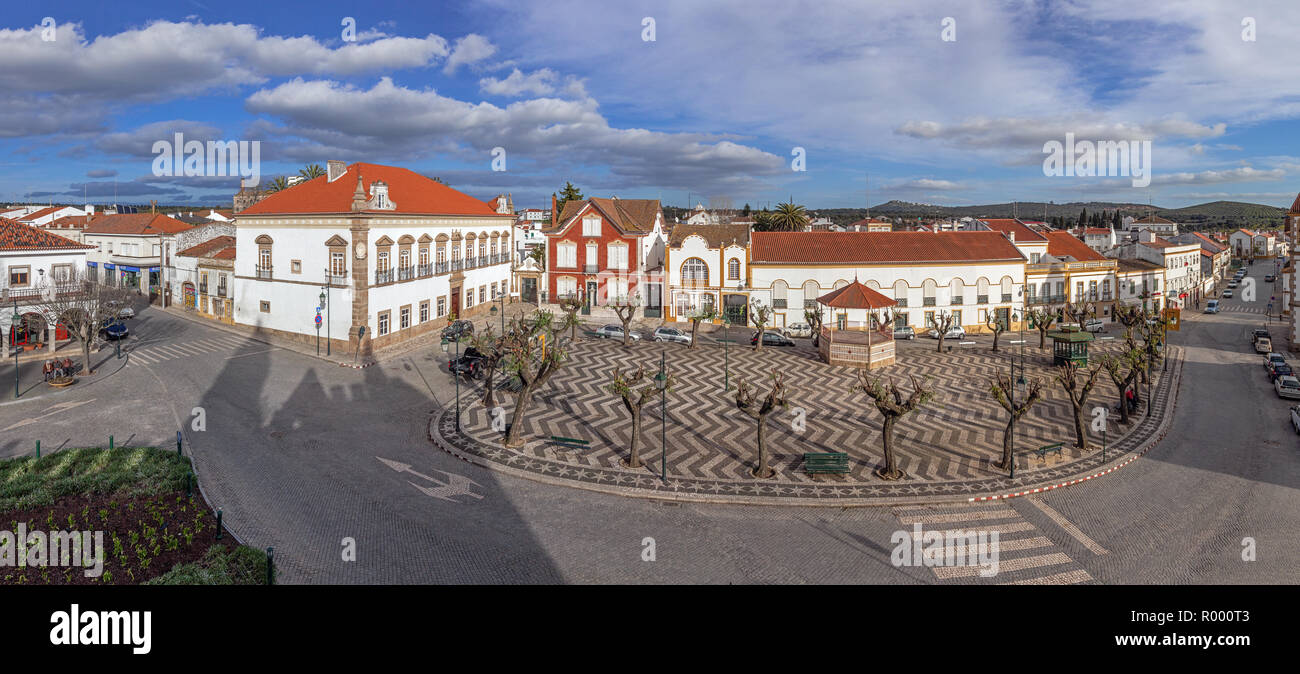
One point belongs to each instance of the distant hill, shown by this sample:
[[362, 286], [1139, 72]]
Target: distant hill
[[1212, 215]]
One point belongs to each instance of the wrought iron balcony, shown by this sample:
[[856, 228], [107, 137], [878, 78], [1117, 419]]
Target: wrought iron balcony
[[382, 277], [424, 270], [336, 279], [440, 268], [927, 301], [778, 304], [981, 299], [263, 272], [1006, 297], [958, 301], [591, 269], [405, 273]]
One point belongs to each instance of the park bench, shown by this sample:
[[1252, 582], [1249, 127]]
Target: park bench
[[1042, 451], [572, 443], [826, 462]]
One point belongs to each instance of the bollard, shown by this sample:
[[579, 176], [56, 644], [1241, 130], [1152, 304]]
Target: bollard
[[178, 444], [189, 484], [270, 566], [218, 523], [38, 449], [110, 442]]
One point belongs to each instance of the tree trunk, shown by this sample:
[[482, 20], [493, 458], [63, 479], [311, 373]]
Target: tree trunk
[[1042, 339], [1007, 439], [758, 345], [695, 329], [940, 349], [85, 354], [1081, 438], [517, 418], [634, 458], [762, 471], [890, 471], [489, 396], [1123, 402], [996, 334]]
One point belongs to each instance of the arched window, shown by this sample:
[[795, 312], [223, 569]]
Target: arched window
[[695, 272], [900, 292], [982, 291], [956, 291], [840, 284], [779, 290], [1007, 288], [928, 288], [811, 291], [733, 269]]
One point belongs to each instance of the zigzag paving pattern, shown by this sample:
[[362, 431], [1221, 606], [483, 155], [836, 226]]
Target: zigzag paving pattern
[[947, 448]]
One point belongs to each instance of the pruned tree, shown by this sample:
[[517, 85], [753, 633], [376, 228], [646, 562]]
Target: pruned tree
[[1068, 375], [759, 315], [634, 391], [758, 408], [943, 323], [489, 346], [995, 323], [1041, 320], [533, 351], [83, 306], [814, 319], [704, 314], [892, 406], [1124, 371], [1000, 387], [625, 308], [1079, 313], [570, 305]]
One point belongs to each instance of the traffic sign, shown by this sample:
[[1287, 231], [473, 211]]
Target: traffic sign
[[318, 321]]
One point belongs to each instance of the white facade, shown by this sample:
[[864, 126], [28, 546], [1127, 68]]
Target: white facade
[[724, 269]]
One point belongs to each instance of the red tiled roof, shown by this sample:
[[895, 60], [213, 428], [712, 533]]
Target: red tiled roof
[[69, 222], [1098, 230], [42, 212], [18, 236], [1017, 229], [207, 248], [856, 296], [632, 216], [1064, 244], [225, 254], [1295, 206], [135, 223], [880, 247], [411, 192]]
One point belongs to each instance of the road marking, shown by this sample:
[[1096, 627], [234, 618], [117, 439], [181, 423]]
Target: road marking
[[456, 485], [53, 410], [1037, 561], [1068, 526], [1005, 513], [1067, 578]]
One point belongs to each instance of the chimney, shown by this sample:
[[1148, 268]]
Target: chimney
[[554, 215], [358, 196], [153, 205], [334, 170]]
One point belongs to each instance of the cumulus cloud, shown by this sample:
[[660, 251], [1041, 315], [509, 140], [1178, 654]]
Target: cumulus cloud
[[470, 49], [101, 173], [1237, 175]]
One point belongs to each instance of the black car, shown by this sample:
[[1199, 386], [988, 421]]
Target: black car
[[113, 328], [772, 339], [1280, 370], [470, 364], [458, 330]]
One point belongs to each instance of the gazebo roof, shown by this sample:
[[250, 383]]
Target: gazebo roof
[[855, 296], [1070, 334]]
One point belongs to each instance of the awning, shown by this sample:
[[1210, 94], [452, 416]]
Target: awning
[[92, 264], [108, 266], [131, 269]]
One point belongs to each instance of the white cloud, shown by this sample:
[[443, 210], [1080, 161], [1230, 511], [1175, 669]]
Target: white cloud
[[470, 49], [538, 83]]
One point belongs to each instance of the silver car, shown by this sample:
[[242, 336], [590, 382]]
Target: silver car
[[1287, 386], [669, 335], [615, 331], [798, 330]]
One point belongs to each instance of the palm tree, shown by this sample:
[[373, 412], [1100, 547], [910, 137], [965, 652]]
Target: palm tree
[[789, 217], [277, 184], [311, 171]]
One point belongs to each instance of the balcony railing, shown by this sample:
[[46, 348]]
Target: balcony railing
[[902, 301], [981, 299], [958, 301], [471, 262], [203, 288], [1006, 297], [778, 304], [382, 277], [336, 279], [927, 301], [440, 267], [590, 268], [221, 291], [263, 272], [405, 273], [457, 265], [424, 270]]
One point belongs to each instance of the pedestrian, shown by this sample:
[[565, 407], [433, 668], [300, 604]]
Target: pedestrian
[[47, 370], [1132, 400], [67, 366]]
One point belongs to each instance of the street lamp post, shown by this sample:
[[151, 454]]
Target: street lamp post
[[328, 312], [502, 299], [661, 381], [13, 336], [321, 306], [455, 376]]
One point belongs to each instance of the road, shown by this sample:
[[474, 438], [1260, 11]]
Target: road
[[307, 456]]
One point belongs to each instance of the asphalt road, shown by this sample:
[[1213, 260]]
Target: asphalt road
[[310, 457]]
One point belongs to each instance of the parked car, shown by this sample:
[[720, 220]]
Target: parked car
[[1263, 345], [1295, 418], [1227, 293], [1212, 307], [1287, 387], [798, 330], [113, 328], [1094, 325], [904, 332], [615, 331], [1273, 358], [469, 365], [1233, 283], [772, 339], [1269, 278], [458, 330], [670, 335], [123, 309], [955, 332], [1280, 370], [1260, 332]]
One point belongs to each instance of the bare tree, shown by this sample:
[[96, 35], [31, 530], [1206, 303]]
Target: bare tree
[[748, 401], [83, 306], [570, 305], [1067, 374], [759, 315], [1123, 381], [489, 346], [995, 323], [625, 308], [634, 392], [943, 323], [705, 314], [1079, 313], [533, 352], [1000, 388], [892, 406], [1042, 321], [814, 319]]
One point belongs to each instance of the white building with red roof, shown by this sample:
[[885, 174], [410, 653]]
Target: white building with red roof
[[969, 274], [131, 249], [1251, 244], [30, 260], [394, 252]]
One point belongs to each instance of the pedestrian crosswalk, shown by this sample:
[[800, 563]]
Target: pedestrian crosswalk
[[151, 352], [1025, 555], [1245, 308]]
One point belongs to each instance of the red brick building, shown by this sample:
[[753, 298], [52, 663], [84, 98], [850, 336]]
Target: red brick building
[[603, 250]]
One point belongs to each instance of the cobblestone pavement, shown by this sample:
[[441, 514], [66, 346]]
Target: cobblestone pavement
[[947, 448]]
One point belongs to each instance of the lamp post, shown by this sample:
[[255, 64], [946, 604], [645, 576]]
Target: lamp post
[[319, 307], [726, 351], [661, 382], [325, 292], [1018, 388], [455, 376], [502, 299], [13, 336]]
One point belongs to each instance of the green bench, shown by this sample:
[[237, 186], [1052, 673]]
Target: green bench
[[1042, 451], [572, 443], [826, 462]]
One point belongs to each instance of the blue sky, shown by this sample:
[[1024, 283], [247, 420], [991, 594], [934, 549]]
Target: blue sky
[[712, 108]]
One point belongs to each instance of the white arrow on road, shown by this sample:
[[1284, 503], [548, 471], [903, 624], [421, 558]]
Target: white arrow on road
[[456, 485], [53, 409]]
